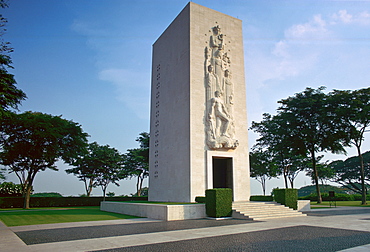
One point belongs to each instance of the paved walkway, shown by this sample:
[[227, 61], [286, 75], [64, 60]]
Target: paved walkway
[[332, 229]]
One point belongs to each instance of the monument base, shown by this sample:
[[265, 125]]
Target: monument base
[[156, 211]]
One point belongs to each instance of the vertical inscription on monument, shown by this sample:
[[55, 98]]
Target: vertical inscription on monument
[[157, 117], [219, 126]]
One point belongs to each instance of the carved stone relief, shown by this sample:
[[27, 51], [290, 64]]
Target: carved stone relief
[[219, 87]]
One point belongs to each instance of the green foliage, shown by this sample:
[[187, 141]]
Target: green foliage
[[10, 95], [47, 194], [307, 190], [352, 109], [324, 172], [2, 175], [200, 199], [33, 142], [261, 198], [137, 161], [312, 125], [262, 167], [276, 139], [287, 197], [99, 166], [9, 189], [111, 194], [338, 197], [219, 202], [348, 172], [17, 202]]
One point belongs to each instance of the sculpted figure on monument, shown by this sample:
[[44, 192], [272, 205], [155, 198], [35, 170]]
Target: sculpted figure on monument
[[220, 129], [218, 113], [219, 121], [217, 38], [229, 89], [211, 82], [217, 59]]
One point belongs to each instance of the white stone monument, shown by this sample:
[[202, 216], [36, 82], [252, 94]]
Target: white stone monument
[[198, 123]]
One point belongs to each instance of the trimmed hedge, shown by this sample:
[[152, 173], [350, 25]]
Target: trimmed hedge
[[261, 198], [287, 197], [219, 202], [338, 197], [200, 199], [17, 202]]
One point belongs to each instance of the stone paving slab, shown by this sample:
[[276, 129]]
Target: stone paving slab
[[351, 222], [79, 233], [297, 238], [338, 211]]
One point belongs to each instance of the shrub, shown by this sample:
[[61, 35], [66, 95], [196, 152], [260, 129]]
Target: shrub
[[51, 194], [219, 202], [17, 202], [9, 189], [338, 197], [261, 198], [287, 197], [200, 199]]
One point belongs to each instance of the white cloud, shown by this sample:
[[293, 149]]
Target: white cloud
[[342, 16], [315, 28]]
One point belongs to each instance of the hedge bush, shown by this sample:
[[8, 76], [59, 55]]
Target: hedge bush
[[287, 197], [219, 202], [261, 198], [17, 202], [338, 197], [200, 199]]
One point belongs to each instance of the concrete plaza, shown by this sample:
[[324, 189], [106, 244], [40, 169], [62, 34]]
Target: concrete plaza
[[331, 229]]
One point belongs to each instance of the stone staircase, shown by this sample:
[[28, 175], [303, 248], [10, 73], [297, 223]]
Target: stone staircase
[[254, 210]]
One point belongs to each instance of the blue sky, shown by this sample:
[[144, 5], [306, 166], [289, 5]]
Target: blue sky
[[90, 61]]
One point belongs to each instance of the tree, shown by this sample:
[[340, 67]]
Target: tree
[[2, 176], [313, 126], [262, 167], [292, 165], [109, 165], [275, 135], [324, 171], [84, 168], [10, 95], [33, 142], [100, 166], [348, 173], [352, 110], [137, 161]]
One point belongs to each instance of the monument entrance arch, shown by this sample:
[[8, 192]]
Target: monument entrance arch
[[198, 123]]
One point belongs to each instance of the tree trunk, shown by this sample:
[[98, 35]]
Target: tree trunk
[[138, 190], [285, 177], [263, 183], [26, 202], [104, 188], [291, 183], [362, 172], [89, 188], [316, 177]]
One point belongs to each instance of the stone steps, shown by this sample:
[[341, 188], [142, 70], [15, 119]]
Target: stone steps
[[263, 210]]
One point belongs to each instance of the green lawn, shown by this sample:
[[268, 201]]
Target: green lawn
[[157, 202], [57, 215], [339, 203]]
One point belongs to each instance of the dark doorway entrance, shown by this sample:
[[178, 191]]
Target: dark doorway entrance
[[222, 172]]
